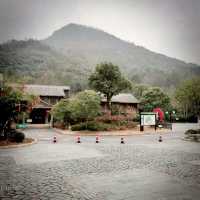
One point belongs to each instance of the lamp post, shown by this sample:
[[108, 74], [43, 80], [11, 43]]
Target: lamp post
[[167, 113]]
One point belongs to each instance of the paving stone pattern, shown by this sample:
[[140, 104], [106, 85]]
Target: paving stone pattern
[[140, 169]]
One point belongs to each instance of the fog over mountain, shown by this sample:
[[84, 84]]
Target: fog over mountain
[[71, 53], [164, 26]]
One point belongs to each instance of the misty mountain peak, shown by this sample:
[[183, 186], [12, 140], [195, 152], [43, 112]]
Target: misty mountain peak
[[81, 35], [73, 51], [71, 26]]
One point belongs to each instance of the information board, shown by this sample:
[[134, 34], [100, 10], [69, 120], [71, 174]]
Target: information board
[[148, 119]]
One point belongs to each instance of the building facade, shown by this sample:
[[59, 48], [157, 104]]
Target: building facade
[[123, 103], [48, 96]]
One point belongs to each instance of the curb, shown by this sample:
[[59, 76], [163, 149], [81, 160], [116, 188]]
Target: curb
[[19, 145], [107, 133], [61, 132], [190, 140]]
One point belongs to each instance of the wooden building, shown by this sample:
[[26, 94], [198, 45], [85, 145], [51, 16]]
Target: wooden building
[[48, 95], [125, 103]]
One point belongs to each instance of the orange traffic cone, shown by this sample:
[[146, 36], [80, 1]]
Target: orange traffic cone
[[97, 139], [122, 141], [54, 139]]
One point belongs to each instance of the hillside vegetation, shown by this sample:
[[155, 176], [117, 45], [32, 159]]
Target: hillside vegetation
[[71, 53]]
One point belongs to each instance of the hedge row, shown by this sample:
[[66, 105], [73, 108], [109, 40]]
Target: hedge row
[[192, 131], [15, 136], [193, 135], [102, 126]]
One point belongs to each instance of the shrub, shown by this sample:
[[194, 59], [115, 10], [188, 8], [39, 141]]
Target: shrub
[[195, 138], [136, 118], [190, 119], [113, 118], [115, 110], [16, 136], [102, 126], [193, 134], [58, 124], [190, 131], [91, 126], [78, 127], [19, 137]]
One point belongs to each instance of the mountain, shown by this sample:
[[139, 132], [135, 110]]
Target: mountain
[[33, 62], [70, 54]]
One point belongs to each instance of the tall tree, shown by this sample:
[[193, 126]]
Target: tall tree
[[139, 90], [188, 97], [13, 103], [108, 80], [61, 112], [154, 97], [9, 99]]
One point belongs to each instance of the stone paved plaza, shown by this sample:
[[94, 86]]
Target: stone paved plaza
[[140, 169]]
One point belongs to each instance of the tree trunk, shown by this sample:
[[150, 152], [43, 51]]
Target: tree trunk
[[109, 105]]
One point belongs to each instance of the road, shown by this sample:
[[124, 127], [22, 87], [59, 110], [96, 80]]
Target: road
[[140, 169]]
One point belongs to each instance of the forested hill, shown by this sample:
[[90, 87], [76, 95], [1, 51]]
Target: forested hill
[[33, 62], [70, 54]]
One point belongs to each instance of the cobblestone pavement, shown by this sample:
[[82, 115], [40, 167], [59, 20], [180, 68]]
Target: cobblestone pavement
[[142, 168]]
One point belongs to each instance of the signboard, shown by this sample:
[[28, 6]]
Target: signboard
[[29, 120], [21, 126], [148, 119]]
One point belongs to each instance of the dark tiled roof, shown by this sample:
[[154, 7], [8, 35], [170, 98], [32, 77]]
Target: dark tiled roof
[[46, 90], [123, 98]]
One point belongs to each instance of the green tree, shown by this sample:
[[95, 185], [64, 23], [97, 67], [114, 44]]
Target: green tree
[[154, 97], [9, 99], [139, 90], [61, 111], [14, 105], [188, 97], [85, 106], [108, 80], [82, 107]]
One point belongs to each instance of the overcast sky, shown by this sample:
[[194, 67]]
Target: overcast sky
[[170, 27]]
